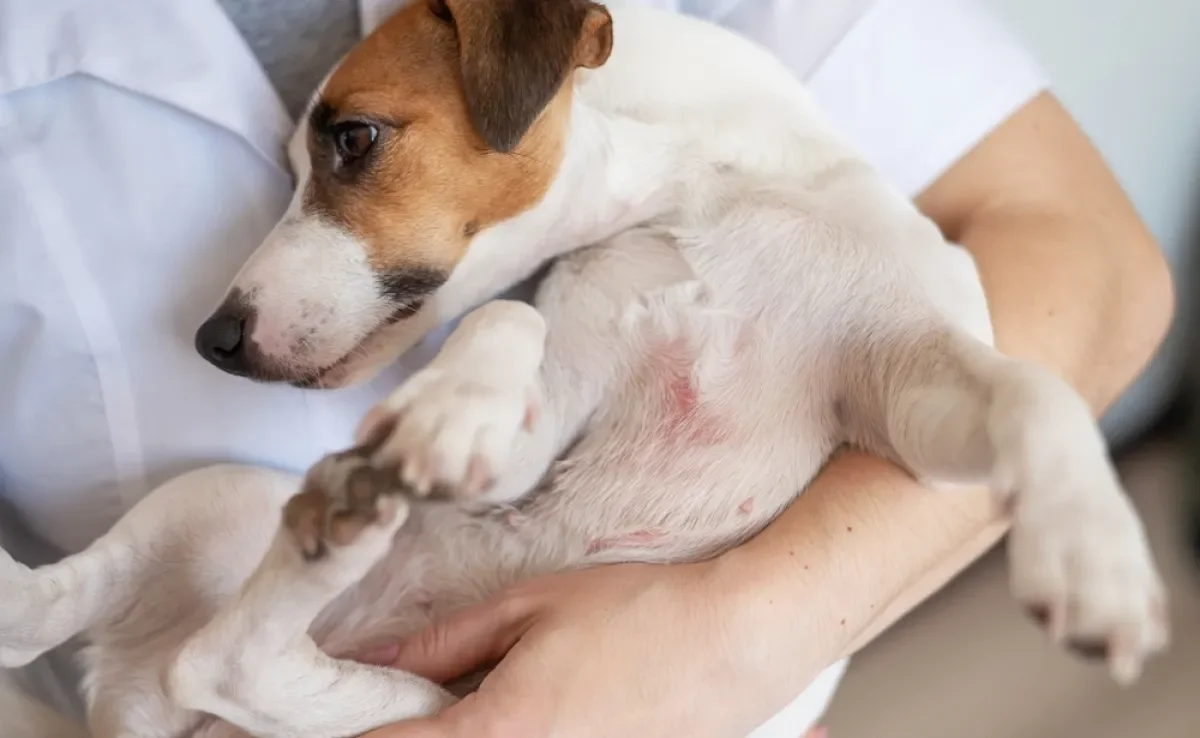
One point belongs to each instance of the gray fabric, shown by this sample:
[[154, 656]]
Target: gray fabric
[[297, 41]]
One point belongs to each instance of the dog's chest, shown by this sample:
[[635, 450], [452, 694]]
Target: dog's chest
[[688, 407]]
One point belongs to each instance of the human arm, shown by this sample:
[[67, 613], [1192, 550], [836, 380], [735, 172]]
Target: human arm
[[1074, 282]]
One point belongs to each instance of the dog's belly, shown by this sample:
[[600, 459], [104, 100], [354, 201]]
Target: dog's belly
[[668, 472]]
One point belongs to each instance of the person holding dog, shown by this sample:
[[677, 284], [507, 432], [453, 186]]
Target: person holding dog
[[141, 160]]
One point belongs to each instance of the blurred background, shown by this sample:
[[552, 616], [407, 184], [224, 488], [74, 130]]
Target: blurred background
[[968, 664]]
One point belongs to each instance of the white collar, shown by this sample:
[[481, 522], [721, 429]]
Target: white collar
[[186, 54]]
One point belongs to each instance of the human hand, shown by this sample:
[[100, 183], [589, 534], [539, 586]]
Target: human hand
[[630, 649]]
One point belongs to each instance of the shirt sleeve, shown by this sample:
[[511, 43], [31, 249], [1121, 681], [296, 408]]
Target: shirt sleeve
[[915, 84]]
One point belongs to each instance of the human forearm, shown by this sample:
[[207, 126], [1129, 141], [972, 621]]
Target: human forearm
[[1073, 282], [934, 579], [851, 556], [872, 541]]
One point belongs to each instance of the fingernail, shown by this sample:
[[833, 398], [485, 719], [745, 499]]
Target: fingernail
[[382, 655], [818, 732]]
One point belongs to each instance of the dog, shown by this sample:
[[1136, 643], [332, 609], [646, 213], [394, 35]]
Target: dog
[[733, 294]]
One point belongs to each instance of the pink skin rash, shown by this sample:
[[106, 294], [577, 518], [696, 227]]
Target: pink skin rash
[[638, 539], [688, 421]]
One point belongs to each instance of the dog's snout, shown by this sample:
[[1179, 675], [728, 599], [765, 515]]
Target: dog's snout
[[222, 339]]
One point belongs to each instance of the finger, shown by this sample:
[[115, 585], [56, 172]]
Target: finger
[[383, 654], [473, 638]]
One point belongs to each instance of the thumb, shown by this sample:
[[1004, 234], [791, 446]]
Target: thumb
[[466, 641]]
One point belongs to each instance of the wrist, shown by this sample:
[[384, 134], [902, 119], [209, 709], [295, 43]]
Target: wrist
[[776, 614]]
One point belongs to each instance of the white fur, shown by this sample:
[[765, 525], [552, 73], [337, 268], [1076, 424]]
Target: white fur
[[758, 296], [288, 279]]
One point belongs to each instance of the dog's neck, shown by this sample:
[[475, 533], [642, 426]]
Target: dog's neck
[[613, 175], [676, 96]]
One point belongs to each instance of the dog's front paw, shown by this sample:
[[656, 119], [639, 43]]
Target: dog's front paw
[[1082, 567], [451, 430], [345, 503]]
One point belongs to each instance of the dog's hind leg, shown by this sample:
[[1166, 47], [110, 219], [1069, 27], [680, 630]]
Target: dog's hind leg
[[254, 664], [171, 550], [953, 409]]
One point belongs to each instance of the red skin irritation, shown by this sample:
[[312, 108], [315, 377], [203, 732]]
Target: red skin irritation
[[687, 420], [683, 396], [638, 539]]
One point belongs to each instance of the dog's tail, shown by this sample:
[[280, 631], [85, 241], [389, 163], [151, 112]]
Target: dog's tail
[[22, 716]]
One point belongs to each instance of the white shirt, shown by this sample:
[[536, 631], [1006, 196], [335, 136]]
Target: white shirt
[[141, 161]]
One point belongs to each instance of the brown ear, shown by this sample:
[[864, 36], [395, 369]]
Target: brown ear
[[516, 54]]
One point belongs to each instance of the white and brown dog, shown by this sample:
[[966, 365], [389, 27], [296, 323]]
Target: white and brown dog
[[735, 294]]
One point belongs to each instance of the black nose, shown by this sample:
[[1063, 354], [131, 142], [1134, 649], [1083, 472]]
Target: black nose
[[222, 339]]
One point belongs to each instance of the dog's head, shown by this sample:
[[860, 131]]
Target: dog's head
[[450, 118]]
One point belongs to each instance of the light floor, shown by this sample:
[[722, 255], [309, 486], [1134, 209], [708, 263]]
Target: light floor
[[969, 665]]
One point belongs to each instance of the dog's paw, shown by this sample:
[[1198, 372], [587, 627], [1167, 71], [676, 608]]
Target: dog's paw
[[1081, 566], [345, 503], [451, 432]]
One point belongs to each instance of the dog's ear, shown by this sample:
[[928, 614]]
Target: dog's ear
[[516, 54]]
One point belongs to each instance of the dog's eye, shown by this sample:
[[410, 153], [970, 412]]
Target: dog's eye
[[354, 140], [441, 11]]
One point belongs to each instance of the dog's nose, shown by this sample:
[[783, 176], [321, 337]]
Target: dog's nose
[[222, 339]]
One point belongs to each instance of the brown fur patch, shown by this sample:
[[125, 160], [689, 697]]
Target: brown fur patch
[[444, 97], [515, 55]]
